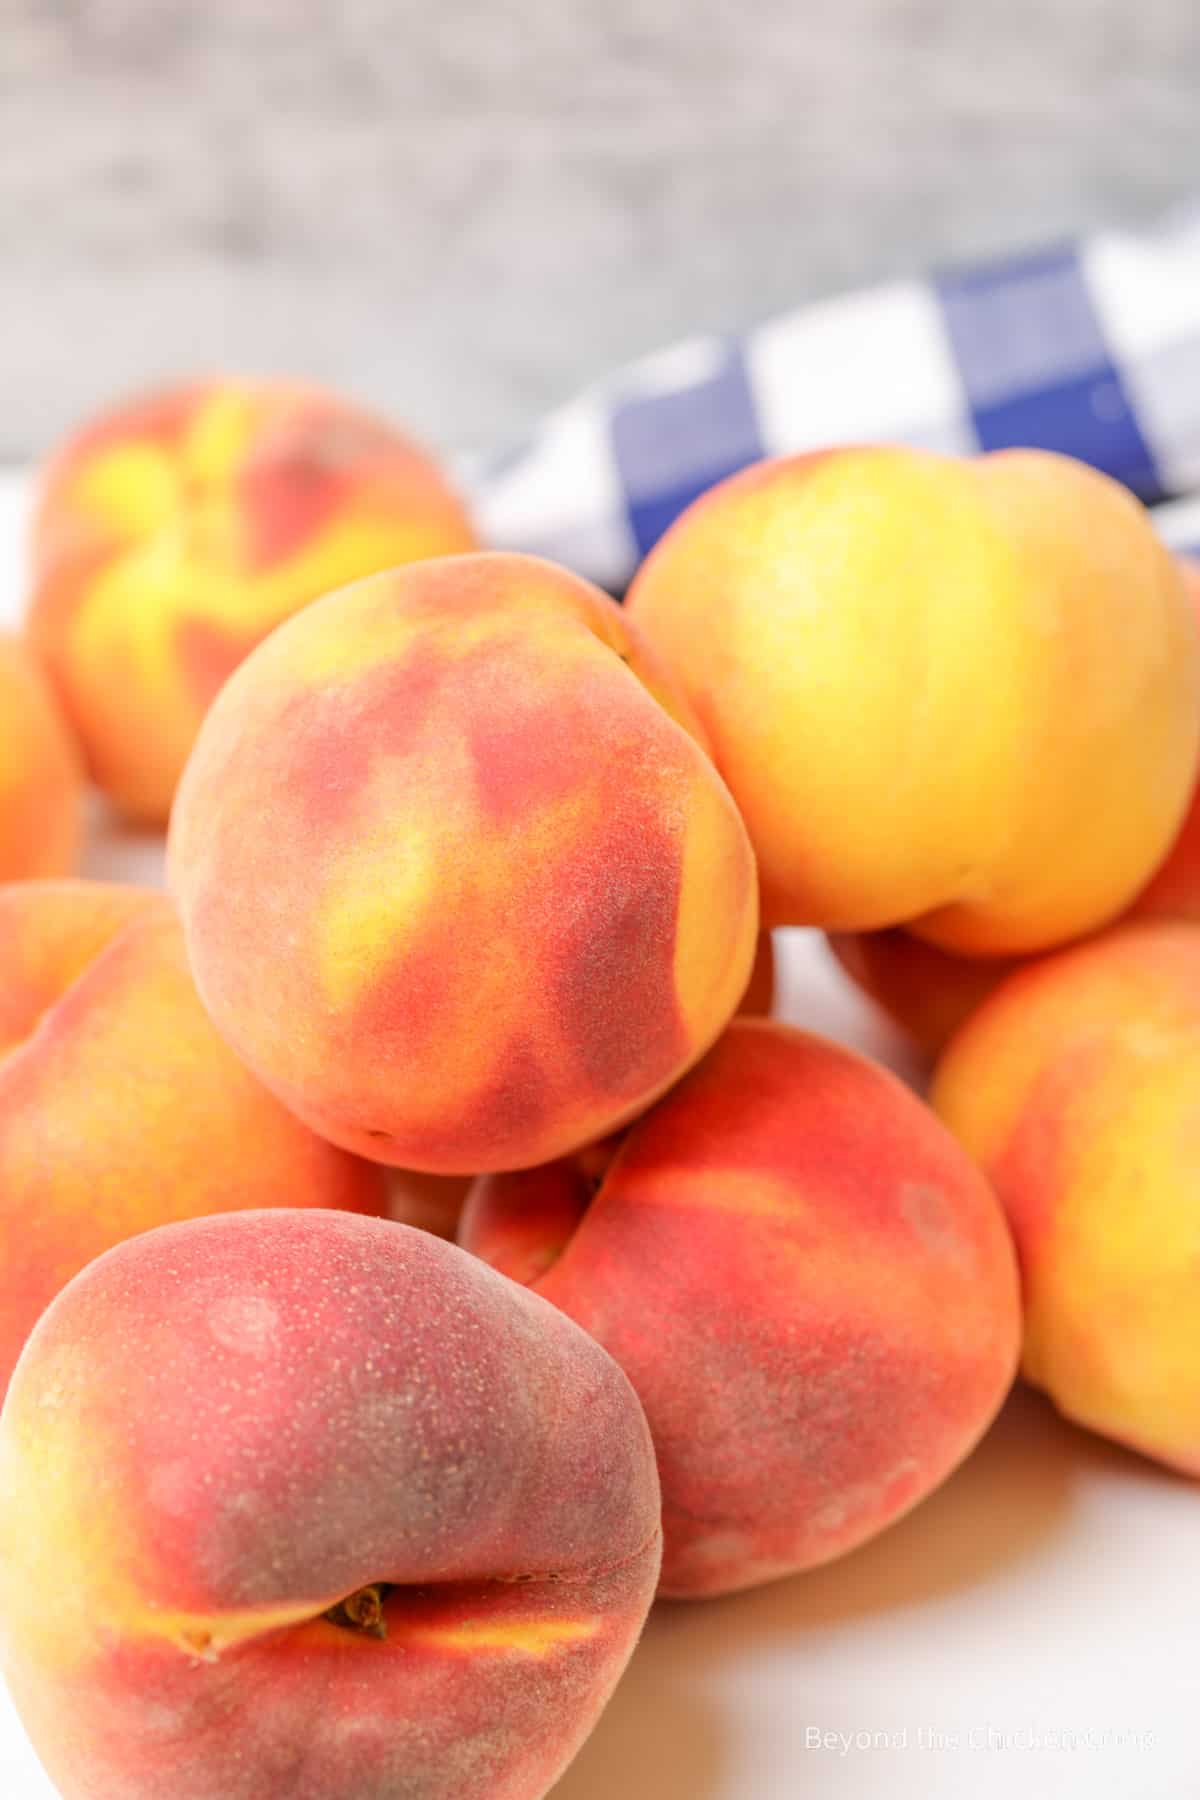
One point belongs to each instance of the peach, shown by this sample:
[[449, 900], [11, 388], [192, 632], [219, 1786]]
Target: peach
[[929, 992], [175, 532], [809, 1285], [309, 1505], [40, 779], [120, 1107], [1076, 1085], [447, 820], [911, 668]]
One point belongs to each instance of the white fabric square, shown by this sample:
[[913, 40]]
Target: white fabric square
[[563, 498], [1146, 290], [873, 365]]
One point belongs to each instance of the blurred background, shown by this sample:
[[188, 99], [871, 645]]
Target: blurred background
[[462, 211]]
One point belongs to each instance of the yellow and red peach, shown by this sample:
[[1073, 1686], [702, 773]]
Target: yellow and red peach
[[313, 1505], [810, 1286], [120, 1107], [929, 992], [911, 668], [41, 781], [1076, 1086], [174, 533], [457, 882]]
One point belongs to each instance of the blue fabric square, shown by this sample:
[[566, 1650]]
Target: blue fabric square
[[672, 445], [1037, 371], [1090, 418], [1021, 326]]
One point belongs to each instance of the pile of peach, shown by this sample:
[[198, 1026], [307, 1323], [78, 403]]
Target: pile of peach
[[471, 872]]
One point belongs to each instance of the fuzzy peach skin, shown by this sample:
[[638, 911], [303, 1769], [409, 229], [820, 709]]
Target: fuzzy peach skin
[[120, 1107], [316, 1506], [810, 1286], [41, 782], [959, 695], [447, 820], [1077, 1088], [175, 532], [929, 992]]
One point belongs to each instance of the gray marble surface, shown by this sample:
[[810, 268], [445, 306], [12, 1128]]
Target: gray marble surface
[[461, 209]]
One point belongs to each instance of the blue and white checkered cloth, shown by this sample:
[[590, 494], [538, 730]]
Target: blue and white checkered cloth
[[1091, 348]]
